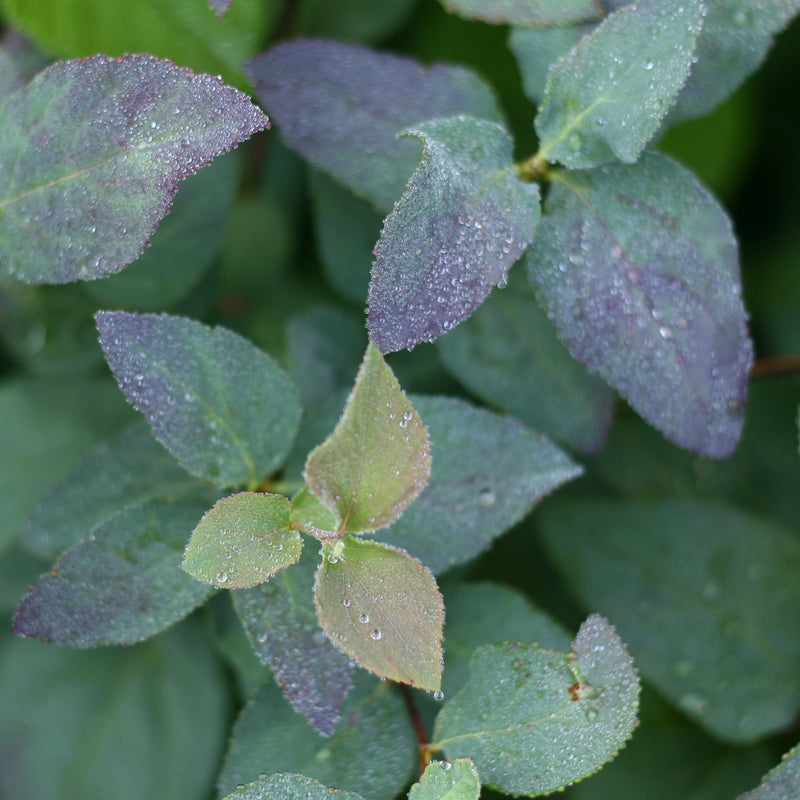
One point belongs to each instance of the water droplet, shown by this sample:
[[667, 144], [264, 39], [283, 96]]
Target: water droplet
[[438, 696], [376, 634], [346, 603], [222, 577], [486, 498], [364, 618], [575, 141], [666, 333], [407, 415], [648, 65], [740, 18], [332, 559], [591, 714], [446, 764]]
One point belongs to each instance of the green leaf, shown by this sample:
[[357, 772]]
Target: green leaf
[[782, 783], [377, 459], [128, 469], [222, 407], [638, 268], [288, 787], [371, 753], [535, 720], [336, 101], [147, 721], [447, 780], [281, 623], [243, 541], [507, 353], [464, 220], [382, 607], [692, 587], [487, 473], [354, 20], [528, 13], [121, 584], [605, 99], [93, 150], [308, 510]]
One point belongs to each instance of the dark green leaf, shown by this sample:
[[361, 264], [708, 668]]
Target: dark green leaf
[[693, 587], [487, 472], [281, 623], [242, 541], [536, 720], [382, 607], [465, 219], [19, 570], [19, 62], [288, 787], [447, 780], [121, 584], [222, 407], [606, 98], [93, 150], [528, 13], [638, 268], [372, 751], [126, 470], [782, 783], [507, 353], [377, 459], [360, 20], [338, 102]]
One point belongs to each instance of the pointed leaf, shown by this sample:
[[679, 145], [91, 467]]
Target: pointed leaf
[[605, 99], [221, 406], [288, 787], [120, 585], [308, 510], [781, 783], [383, 608], [242, 541], [377, 459], [487, 473], [336, 102], [83, 205], [528, 13], [465, 219], [281, 622], [534, 720], [637, 267], [447, 780]]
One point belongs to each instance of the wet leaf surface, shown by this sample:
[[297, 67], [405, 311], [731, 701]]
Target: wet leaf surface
[[447, 780]]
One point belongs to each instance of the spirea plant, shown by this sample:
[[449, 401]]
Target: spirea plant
[[275, 575]]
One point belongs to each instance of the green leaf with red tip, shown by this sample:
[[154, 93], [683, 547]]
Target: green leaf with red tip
[[447, 780], [382, 607], [242, 541], [377, 460]]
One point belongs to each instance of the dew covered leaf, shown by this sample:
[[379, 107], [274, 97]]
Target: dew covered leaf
[[508, 354], [219, 7], [220, 405], [605, 99], [377, 459], [637, 267], [342, 107], [281, 623], [691, 585], [242, 541], [464, 220], [288, 787], [447, 780], [487, 472], [527, 13], [121, 584], [535, 720], [93, 150], [382, 607], [781, 783], [372, 752]]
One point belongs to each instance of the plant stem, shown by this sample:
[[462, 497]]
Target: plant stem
[[775, 365], [422, 736]]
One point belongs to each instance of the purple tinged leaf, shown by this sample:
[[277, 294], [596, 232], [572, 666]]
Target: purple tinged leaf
[[219, 7], [780, 783], [527, 13], [284, 786], [637, 267], [93, 150], [342, 107], [465, 219]]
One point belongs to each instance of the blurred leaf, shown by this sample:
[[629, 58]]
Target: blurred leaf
[[46, 426], [19, 570], [637, 266], [372, 751], [782, 783], [281, 623], [605, 99], [507, 353], [121, 584], [19, 62], [222, 407], [94, 149], [242, 541], [377, 459], [142, 722], [536, 720], [487, 472], [528, 13], [335, 102], [447, 780], [360, 20], [705, 595], [382, 607], [465, 219], [288, 787]]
